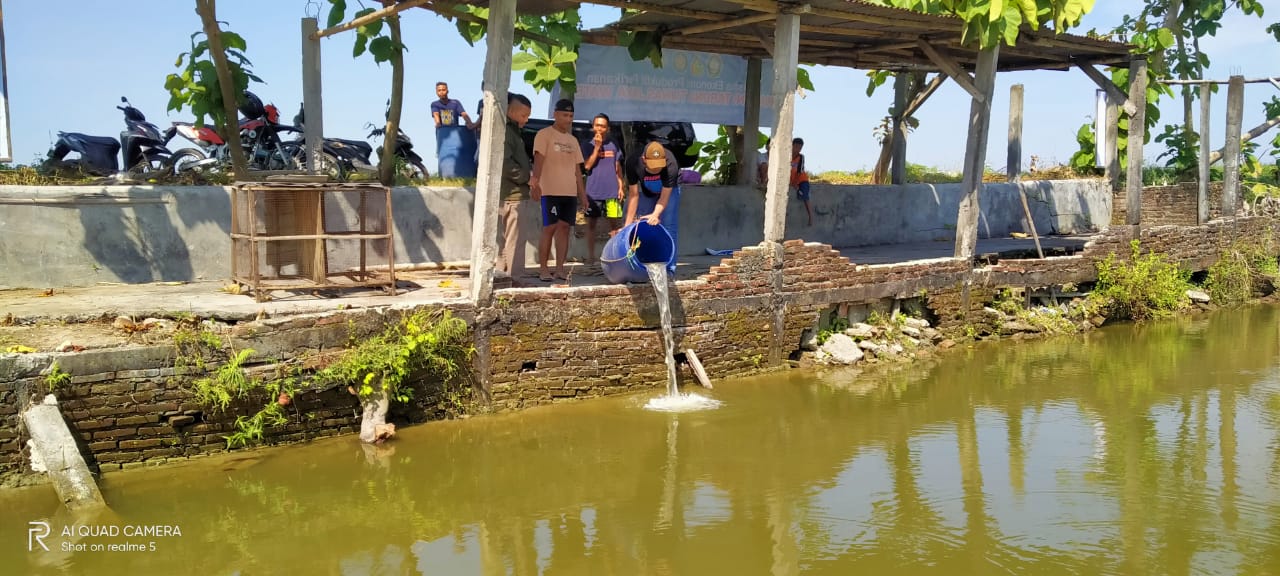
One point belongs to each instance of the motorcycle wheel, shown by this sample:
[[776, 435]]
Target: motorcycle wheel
[[328, 164], [182, 160], [419, 171]]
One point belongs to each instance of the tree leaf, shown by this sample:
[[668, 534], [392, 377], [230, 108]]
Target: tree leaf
[[382, 48], [231, 40], [563, 56], [337, 12], [802, 79], [361, 44], [523, 61]]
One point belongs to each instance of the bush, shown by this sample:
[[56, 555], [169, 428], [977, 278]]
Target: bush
[[1143, 288], [1241, 272]]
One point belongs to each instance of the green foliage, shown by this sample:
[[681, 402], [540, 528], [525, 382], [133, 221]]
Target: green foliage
[[422, 345], [197, 86], [226, 383], [1012, 302], [1241, 272], [643, 45], [1182, 151], [990, 22], [718, 155], [544, 63], [373, 38], [56, 378], [1144, 287]]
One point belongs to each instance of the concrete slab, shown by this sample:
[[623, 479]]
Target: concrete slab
[[54, 449]]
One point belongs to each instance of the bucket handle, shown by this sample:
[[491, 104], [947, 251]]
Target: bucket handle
[[631, 251]]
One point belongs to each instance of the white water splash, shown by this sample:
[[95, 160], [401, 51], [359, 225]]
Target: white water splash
[[682, 403], [658, 277]]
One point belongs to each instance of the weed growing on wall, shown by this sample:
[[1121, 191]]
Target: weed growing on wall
[[1242, 271], [1144, 287], [425, 344], [56, 378]]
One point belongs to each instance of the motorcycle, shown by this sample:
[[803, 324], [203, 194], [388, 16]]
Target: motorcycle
[[413, 166], [339, 156], [97, 154], [141, 145]]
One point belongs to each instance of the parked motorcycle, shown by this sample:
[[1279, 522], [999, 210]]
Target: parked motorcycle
[[339, 156], [413, 166], [141, 144], [97, 154]]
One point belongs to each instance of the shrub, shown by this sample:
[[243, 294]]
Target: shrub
[[1144, 287], [1241, 272]]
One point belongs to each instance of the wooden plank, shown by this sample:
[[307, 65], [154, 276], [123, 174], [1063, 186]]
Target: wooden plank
[[1013, 165], [952, 69], [1231, 151], [698, 370], [787, 48], [1137, 134], [722, 25], [493, 135], [975, 155], [1105, 83], [747, 171], [1202, 191]]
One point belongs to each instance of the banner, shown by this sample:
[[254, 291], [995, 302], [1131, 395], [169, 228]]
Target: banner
[[691, 86]]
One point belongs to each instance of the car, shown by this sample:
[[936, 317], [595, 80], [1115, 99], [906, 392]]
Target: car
[[677, 136]]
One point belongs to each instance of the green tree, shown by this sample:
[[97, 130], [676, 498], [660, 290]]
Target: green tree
[[215, 73]]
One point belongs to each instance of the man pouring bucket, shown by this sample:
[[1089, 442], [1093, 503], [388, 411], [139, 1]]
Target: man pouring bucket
[[654, 182]]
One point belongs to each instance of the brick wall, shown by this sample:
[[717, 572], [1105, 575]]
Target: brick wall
[[1173, 205], [555, 345]]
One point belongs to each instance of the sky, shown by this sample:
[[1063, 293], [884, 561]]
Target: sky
[[68, 73]]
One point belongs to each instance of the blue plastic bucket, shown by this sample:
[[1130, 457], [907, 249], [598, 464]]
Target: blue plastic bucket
[[456, 150], [631, 248]]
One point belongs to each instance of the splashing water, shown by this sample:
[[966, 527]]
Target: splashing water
[[658, 277], [674, 401]]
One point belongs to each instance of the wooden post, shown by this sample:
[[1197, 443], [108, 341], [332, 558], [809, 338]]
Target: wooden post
[[1137, 133], [1014, 165], [1111, 144], [898, 161], [747, 175], [786, 52], [698, 370], [493, 132], [312, 101], [1202, 212], [1231, 152], [975, 153]]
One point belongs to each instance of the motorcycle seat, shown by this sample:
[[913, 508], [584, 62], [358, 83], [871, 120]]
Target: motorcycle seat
[[106, 141], [357, 144]]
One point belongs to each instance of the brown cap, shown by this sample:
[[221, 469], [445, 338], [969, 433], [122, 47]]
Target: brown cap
[[655, 156]]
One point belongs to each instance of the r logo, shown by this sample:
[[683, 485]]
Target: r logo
[[37, 532]]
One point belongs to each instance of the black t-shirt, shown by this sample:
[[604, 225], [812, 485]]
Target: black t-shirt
[[670, 176]]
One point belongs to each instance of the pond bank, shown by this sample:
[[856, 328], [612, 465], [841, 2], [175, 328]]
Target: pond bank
[[136, 405]]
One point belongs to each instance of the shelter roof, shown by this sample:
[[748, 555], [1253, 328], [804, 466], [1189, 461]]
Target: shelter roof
[[850, 33]]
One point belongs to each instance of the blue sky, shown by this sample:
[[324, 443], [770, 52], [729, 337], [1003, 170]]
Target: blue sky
[[68, 74]]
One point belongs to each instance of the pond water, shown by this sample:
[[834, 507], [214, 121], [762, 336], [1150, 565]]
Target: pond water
[[1133, 450]]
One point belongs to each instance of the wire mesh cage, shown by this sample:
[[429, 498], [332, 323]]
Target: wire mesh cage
[[311, 236]]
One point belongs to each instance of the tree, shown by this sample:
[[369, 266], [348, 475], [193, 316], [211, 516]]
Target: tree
[[210, 83], [382, 46]]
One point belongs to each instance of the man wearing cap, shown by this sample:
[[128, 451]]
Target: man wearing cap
[[654, 180], [557, 184]]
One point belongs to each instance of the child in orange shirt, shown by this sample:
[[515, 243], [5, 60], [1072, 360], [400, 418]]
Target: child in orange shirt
[[800, 178]]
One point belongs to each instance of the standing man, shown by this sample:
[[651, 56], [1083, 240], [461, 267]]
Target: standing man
[[446, 111], [605, 187], [800, 177], [557, 184], [654, 178], [515, 188]]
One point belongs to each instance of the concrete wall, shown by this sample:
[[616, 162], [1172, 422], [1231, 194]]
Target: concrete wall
[[77, 236]]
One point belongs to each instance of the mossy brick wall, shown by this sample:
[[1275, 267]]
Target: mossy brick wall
[[1172, 205], [130, 407]]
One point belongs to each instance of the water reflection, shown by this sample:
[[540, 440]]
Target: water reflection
[[1147, 450]]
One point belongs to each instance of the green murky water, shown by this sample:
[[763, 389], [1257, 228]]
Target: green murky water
[[1136, 450]]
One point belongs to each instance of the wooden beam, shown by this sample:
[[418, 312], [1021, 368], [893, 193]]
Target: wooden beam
[[368, 18], [787, 50], [934, 84], [952, 69], [723, 24], [1231, 151], [916, 23], [1202, 191], [764, 39], [1105, 83], [493, 133], [1275, 81], [658, 9], [1137, 134], [975, 155]]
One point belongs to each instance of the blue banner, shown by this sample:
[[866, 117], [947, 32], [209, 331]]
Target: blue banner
[[691, 86]]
